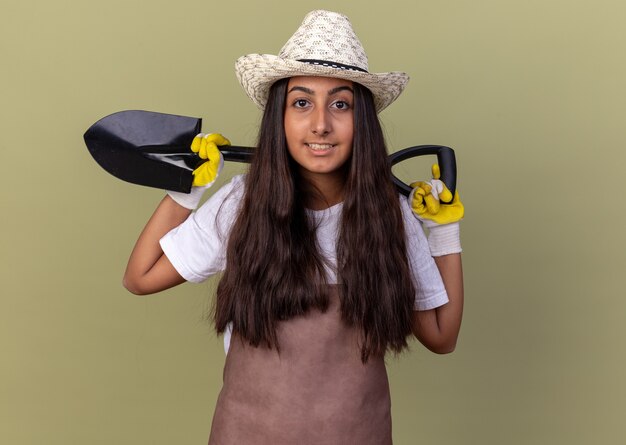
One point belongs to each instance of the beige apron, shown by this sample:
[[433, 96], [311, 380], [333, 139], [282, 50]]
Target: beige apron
[[317, 391]]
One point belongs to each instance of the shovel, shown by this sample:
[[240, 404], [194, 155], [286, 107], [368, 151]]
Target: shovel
[[152, 149]]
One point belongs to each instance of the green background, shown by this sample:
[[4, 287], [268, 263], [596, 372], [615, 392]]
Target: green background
[[532, 96]]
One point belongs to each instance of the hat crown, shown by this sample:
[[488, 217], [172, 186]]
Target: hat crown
[[326, 36]]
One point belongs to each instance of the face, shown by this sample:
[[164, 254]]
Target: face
[[319, 121]]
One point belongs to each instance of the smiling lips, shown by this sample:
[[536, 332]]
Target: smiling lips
[[320, 147]]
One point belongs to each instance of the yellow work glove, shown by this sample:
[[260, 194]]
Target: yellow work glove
[[206, 147], [205, 175], [440, 212]]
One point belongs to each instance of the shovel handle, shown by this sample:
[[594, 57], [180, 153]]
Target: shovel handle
[[445, 158]]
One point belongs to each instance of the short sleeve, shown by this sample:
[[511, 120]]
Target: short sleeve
[[197, 248], [430, 291]]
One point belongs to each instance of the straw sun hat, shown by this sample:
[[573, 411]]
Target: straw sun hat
[[324, 45]]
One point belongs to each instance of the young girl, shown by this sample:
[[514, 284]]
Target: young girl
[[325, 266]]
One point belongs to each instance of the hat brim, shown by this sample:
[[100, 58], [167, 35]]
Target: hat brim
[[257, 73]]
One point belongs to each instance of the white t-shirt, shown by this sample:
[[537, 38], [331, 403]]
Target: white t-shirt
[[197, 248]]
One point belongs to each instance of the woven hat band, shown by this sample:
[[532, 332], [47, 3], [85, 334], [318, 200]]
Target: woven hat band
[[337, 65]]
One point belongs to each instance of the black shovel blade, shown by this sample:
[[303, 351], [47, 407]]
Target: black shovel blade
[[146, 148]]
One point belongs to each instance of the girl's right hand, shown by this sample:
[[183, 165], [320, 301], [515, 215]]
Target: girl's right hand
[[206, 147], [205, 175]]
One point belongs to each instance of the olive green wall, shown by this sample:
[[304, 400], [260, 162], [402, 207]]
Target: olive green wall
[[530, 94]]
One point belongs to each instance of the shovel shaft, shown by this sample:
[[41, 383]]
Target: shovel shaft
[[445, 158], [237, 154]]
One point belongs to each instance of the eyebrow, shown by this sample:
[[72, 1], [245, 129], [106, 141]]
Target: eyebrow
[[330, 92]]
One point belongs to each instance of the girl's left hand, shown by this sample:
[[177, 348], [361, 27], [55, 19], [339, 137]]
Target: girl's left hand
[[427, 199], [434, 205]]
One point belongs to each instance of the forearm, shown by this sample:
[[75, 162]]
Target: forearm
[[148, 269], [438, 329]]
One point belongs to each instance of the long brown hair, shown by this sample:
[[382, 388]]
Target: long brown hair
[[274, 270]]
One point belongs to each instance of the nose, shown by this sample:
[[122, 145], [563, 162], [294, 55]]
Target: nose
[[321, 124]]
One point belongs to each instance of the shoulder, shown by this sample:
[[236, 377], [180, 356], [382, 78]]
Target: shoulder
[[235, 185], [232, 191], [414, 232], [407, 213], [197, 247], [224, 205]]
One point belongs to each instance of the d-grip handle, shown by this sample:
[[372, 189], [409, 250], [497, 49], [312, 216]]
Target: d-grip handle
[[445, 158]]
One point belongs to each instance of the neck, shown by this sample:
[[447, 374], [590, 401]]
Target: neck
[[324, 190]]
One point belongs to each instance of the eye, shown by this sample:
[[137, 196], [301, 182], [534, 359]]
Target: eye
[[341, 105], [300, 103]]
